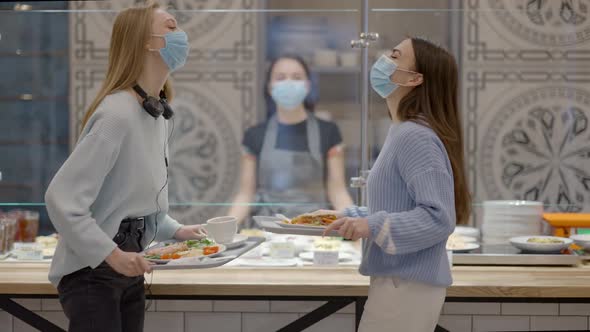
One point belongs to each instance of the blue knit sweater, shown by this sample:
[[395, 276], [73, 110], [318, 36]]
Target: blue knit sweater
[[411, 208]]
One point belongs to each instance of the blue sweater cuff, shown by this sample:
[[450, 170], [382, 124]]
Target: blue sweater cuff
[[356, 211]]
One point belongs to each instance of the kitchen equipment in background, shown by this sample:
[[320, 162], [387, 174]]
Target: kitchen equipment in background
[[503, 220], [349, 59], [27, 225], [7, 232], [564, 222], [325, 58], [506, 254]]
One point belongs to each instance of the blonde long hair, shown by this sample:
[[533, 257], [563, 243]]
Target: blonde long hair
[[131, 32]]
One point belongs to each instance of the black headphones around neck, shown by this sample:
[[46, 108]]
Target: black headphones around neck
[[154, 106]]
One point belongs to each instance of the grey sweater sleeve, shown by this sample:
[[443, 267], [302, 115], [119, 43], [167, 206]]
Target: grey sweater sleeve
[[74, 189], [167, 228]]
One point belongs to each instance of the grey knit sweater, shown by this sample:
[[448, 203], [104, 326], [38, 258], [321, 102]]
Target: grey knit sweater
[[115, 171]]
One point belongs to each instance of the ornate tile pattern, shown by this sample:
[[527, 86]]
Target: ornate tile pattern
[[215, 93], [526, 100]]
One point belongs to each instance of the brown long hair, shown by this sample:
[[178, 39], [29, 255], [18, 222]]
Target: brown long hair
[[131, 32], [435, 104]]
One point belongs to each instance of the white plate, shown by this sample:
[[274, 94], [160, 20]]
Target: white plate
[[238, 241], [521, 243], [342, 256], [222, 248], [468, 239], [267, 262], [466, 248], [583, 240]]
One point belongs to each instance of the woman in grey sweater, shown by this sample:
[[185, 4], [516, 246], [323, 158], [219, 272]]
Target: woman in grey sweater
[[416, 190], [110, 197]]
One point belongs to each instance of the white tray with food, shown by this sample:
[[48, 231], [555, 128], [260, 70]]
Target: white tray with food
[[196, 254], [301, 225]]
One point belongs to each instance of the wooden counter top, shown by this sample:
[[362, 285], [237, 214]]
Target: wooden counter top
[[470, 281]]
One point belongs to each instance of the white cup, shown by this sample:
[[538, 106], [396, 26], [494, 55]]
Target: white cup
[[325, 257], [222, 229], [282, 249]]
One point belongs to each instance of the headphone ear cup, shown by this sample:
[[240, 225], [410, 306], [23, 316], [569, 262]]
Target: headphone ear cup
[[168, 112], [153, 107]]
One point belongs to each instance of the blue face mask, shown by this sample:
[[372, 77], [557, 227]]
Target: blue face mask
[[381, 76], [175, 52], [289, 94]]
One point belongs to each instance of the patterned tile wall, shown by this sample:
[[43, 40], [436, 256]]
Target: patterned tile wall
[[216, 93], [526, 99]]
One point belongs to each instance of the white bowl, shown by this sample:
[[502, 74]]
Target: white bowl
[[521, 242], [583, 240], [467, 231]]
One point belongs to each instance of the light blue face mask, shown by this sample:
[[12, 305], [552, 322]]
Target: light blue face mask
[[175, 52], [381, 76], [289, 94]]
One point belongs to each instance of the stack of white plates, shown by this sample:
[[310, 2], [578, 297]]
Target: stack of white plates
[[503, 220]]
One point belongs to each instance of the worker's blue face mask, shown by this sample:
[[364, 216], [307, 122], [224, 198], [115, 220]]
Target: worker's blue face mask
[[289, 94]]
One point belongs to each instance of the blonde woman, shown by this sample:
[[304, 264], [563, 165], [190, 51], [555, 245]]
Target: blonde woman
[[110, 197]]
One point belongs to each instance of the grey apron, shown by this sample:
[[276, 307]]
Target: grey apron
[[291, 182]]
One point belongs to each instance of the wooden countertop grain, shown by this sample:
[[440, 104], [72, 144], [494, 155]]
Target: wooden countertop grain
[[29, 278]]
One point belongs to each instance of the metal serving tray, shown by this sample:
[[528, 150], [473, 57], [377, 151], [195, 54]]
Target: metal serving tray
[[270, 224], [222, 259], [508, 255]]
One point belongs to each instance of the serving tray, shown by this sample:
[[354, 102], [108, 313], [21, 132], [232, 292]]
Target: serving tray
[[219, 260]]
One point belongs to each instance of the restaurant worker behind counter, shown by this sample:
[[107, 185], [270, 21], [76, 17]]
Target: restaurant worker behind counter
[[294, 162], [109, 200], [416, 190]]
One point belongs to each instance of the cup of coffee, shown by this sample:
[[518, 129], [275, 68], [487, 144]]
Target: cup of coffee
[[222, 229]]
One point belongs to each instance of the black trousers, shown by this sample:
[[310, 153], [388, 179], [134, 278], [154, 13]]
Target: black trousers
[[102, 299]]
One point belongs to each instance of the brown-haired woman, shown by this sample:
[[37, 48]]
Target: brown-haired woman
[[416, 190], [110, 197], [294, 157]]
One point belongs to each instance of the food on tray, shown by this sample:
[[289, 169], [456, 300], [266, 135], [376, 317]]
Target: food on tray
[[544, 240], [311, 220], [189, 248], [253, 232], [327, 245], [456, 242], [47, 241], [48, 244]]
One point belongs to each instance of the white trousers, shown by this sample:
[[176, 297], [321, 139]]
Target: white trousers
[[401, 305]]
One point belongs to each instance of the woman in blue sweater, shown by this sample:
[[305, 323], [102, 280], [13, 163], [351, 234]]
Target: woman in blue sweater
[[416, 190]]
